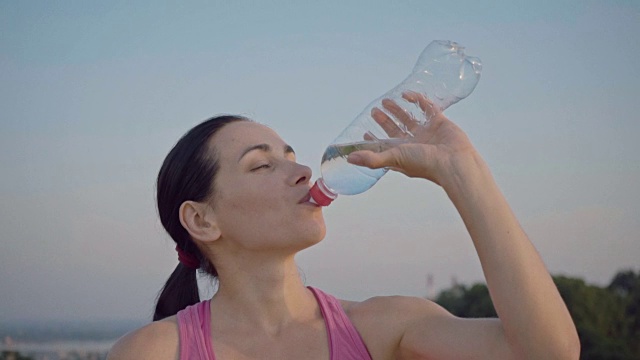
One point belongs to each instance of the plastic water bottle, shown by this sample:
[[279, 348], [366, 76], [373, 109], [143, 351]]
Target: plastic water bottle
[[443, 74]]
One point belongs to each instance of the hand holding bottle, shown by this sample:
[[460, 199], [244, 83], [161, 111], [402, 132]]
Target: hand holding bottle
[[443, 75], [437, 149]]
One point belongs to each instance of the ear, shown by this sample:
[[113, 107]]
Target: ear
[[199, 220]]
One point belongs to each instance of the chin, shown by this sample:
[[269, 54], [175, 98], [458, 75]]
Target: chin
[[313, 235], [320, 231]]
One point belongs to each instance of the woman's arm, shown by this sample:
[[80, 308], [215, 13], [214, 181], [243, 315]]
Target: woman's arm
[[534, 321]]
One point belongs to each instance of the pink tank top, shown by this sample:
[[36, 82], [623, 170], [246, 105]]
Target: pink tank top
[[345, 342]]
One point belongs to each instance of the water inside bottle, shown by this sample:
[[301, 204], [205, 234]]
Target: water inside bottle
[[348, 179]]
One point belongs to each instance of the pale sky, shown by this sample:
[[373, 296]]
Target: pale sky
[[94, 94]]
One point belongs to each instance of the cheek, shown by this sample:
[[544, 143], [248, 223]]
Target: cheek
[[247, 209], [254, 202], [238, 194], [262, 210]]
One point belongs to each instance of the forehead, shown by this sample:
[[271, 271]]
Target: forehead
[[233, 138]]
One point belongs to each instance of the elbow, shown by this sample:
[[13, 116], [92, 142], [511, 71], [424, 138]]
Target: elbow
[[564, 342], [561, 347], [570, 351], [573, 351], [567, 347], [570, 347], [567, 351]]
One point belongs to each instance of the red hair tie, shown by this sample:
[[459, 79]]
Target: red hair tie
[[187, 259]]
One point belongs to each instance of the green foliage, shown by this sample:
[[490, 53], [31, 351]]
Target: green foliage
[[599, 315], [472, 302], [607, 319], [12, 355]]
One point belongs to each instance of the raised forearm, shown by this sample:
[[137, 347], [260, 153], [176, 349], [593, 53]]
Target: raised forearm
[[536, 322]]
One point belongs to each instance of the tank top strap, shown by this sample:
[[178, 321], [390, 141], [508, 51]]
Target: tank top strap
[[345, 343], [194, 324]]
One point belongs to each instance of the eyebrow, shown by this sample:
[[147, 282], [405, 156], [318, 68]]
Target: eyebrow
[[266, 148]]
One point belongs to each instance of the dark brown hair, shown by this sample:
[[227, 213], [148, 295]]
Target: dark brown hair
[[187, 173]]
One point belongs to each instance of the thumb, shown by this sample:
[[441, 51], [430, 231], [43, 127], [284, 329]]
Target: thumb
[[373, 160]]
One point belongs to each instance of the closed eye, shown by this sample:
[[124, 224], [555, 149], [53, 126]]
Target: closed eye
[[264, 166]]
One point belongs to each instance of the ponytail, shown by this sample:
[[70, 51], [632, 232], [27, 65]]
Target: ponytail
[[180, 291]]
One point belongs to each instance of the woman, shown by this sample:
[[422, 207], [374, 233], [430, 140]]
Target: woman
[[232, 196]]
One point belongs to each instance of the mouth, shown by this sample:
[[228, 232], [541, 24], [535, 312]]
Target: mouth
[[305, 198]]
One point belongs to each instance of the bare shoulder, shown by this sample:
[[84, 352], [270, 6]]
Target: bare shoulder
[[401, 327], [382, 321], [396, 308], [158, 340]]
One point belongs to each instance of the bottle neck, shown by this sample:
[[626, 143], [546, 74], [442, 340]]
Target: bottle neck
[[321, 194]]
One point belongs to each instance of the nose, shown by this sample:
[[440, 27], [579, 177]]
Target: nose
[[301, 174]]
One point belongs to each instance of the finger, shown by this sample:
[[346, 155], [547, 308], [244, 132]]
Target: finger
[[428, 107], [368, 136], [389, 126], [373, 160], [405, 117]]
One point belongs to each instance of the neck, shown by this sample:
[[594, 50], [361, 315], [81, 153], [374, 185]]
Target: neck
[[263, 291]]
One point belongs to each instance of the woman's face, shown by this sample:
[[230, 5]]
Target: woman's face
[[261, 197]]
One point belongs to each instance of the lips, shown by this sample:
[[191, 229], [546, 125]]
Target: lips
[[305, 198]]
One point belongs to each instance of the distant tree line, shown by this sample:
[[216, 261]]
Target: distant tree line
[[607, 318], [13, 355]]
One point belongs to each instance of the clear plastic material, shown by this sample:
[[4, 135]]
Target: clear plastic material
[[443, 74]]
